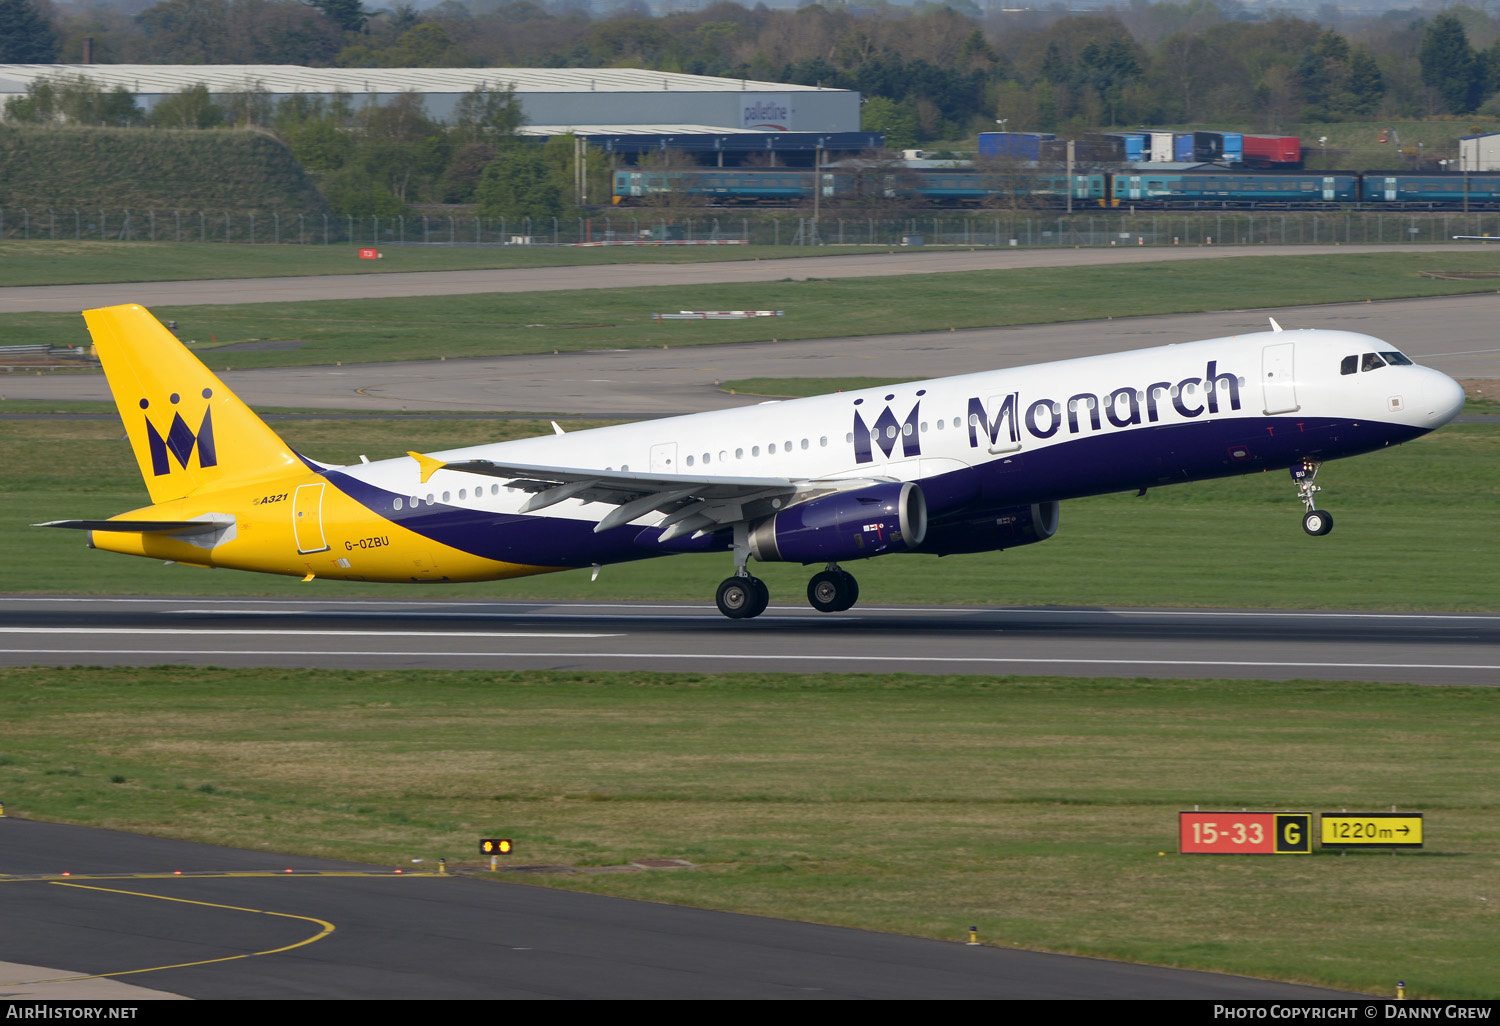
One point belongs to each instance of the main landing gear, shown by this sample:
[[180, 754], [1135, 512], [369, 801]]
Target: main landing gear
[[1315, 521], [742, 596], [832, 590]]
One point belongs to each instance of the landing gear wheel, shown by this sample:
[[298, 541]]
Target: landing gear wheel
[[832, 591], [762, 598], [741, 598], [853, 593], [1317, 522], [826, 590]]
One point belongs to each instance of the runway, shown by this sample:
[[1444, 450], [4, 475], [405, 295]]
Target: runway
[[1418, 648], [342, 930], [1454, 334], [72, 298]]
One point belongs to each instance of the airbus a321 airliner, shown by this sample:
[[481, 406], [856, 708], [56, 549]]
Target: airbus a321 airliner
[[953, 465]]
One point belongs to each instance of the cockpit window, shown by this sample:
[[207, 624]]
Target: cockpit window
[[1350, 365], [1397, 359], [1371, 361]]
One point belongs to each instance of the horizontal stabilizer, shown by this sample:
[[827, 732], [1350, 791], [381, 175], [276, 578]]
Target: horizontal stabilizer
[[135, 526]]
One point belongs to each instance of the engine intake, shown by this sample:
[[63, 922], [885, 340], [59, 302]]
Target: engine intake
[[852, 524]]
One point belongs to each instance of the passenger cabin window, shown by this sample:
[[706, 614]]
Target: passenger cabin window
[[1371, 361], [1350, 365]]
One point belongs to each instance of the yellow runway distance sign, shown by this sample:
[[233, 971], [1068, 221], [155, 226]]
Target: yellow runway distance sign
[[1371, 830]]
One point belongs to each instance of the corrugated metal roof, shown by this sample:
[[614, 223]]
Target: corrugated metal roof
[[291, 78]]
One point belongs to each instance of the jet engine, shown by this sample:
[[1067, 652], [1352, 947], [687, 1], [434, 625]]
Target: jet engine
[[1019, 525], [866, 521]]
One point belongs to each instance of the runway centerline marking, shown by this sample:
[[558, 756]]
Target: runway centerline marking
[[327, 928]]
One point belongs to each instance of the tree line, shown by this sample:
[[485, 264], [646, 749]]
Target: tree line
[[933, 71], [929, 71], [365, 158]]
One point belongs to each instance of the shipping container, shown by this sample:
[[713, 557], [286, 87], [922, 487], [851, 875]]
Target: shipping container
[[1208, 147], [1272, 150], [1182, 146], [1015, 145], [1137, 145], [1161, 147], [1234, 147]]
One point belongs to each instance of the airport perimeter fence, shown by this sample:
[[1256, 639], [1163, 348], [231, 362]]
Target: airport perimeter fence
[[1290, 228], [292, 228], [622, 228]]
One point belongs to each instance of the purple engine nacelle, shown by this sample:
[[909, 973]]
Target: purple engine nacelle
[[853, 524], [1019, 525]]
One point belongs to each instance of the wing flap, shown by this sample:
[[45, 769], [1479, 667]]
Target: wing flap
[[693, 504], [534, 478]]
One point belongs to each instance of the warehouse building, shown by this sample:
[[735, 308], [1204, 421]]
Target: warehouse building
[[1479, 152], [625, 110]]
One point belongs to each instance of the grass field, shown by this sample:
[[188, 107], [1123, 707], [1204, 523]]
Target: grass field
[[1416, 529], [1356, 145], [499, 324], [1037, 810], [43, 262]]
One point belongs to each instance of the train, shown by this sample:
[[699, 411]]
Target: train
[[1139, 188]]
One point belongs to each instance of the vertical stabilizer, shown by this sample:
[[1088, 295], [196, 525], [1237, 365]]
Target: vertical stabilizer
[[187, 429]]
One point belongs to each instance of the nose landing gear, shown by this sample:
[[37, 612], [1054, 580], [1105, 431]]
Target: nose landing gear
[[1315, 521], [832, 590]]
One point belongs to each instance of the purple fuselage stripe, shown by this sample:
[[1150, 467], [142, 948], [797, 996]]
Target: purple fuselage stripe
[[1092, 464]]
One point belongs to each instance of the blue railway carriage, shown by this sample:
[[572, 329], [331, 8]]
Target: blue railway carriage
[[1447, 191], [1187, 189], [730, 185], [964, 187]]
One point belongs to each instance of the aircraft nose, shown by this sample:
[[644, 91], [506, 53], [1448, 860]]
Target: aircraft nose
[[1442, 398]]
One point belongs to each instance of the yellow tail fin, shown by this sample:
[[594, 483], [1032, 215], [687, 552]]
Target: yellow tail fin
[[188, 430]]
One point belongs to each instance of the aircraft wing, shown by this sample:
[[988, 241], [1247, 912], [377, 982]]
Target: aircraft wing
[[693, 504]]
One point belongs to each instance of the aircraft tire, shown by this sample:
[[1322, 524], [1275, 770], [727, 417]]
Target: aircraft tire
[[1317, 522], [832, 591], [827, 590], [741, 598], [762, 598], [851, 595]]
